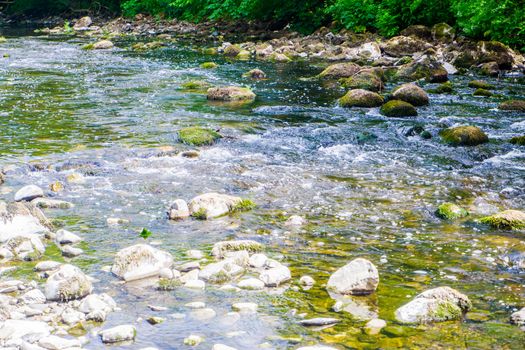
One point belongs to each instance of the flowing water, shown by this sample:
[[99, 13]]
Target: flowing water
[[366, 188]]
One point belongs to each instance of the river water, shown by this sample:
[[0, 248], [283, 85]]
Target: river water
[[367, 188]]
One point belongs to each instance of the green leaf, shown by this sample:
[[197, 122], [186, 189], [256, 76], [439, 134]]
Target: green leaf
[[145, 233]]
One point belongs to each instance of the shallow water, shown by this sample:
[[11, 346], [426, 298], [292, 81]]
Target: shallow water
[[106, 115]]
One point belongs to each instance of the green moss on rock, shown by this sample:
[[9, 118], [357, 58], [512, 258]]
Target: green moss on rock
[[198, 136], [367, 80], [513, 105], [518, 140], [232, 50], [209, 65], [482, 92], [507, 220], [361, 98], [445, 311], [444, 88], [480, 84], [243, 205], [464, 136], [196, 85], [397, 108], [450, 211]]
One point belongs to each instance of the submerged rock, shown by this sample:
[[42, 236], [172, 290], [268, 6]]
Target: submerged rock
[[198, 136], [320, 321], [275, 276], [434, 305], [67, 283], [361, 98], [397, 108], [464, 136], [28, 193], [230, 93], [513, 105], [255, 74], [412, 94], [482, 92], [507, 220], [209, 65], [118, 334], [358, 277], [212, 205], [450, 211], [480, 84], [518, 140], [140, 261], [220, 249], [196, 85], [48, 203], [340, 70]]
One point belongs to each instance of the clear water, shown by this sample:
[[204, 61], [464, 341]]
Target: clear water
[[110, 114]]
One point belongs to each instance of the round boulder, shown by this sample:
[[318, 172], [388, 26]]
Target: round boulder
[[464, 136], [67, 283], [340, 70], [358, 277], [211, 205], [361, 98], [397, 108], [140, 261], [412, 94], [230, 93]]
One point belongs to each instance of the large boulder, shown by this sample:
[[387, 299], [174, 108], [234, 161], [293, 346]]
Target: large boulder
[[358, 277], [230, 93], [140, 261], [434, 305], [400, 46], [513, 105], [494, 51], [21, 219], [397, 109], [443, 32], [361, 98], [67, 283], [211, 205], [340, 70], [425, 67], [23, 248], [367, 79], [507, 220], [412, 94], [464, 136]]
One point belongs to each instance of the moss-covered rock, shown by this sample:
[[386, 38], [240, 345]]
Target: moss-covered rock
[[148, 46], [279, 58], [210, 51], [412, 94], [244, 55], [397, 108], [198, 136], [209, 65], [464, 136], [400, 46], [340, 70], [418, 31], [450, 211], [361, 98], [513, 105], [367, 79], [490, 68], [443, 32], [424, 68], [232, 50], [230, 93], [494, 51], [518, 140], [196, 85], [507, 220], [102, 45], [444, 88], [255, 74], [480, 84], [482, 92]]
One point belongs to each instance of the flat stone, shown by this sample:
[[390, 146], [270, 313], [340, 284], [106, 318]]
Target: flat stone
[[118, 334], [28, 193]]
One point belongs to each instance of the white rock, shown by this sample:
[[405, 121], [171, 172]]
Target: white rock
[[195, 254], [21, 220], [67, 283], [257, 260], [140, 261], [190, 276], [222, 347], [118, 334], [66, 237], [70, 251], [47, 266], [220, 249], [16, 329], [275, 276], [213, 204], [48, 203], [220, 272], [196, 305], [95, 302], [374, 326], [178, 210], [251, 284], [306, 281], [518, 317], [193, 340], [295, 220], [195, 284], [245, 307], [240, 257], [358, 277], [434, 305], [34, 296], [28, 193], [53, 342], [71, 316]]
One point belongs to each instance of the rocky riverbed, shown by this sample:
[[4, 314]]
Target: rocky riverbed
[[158, 193]]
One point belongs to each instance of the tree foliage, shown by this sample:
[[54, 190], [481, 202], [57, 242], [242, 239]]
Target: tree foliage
[[502, 20]]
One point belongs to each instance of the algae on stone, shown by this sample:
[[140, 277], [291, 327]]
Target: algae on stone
[[507, 220], [397, 108], [464, 136], [450, 211], [198, 136], [361, 98]]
